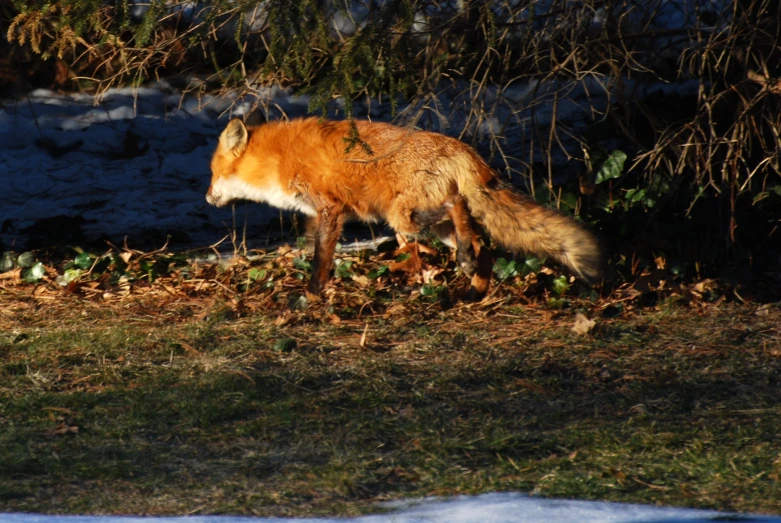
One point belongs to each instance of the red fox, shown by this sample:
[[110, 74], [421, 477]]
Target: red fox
[[411, 179]]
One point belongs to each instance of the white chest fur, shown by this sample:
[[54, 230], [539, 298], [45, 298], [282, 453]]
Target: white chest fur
[[228, 188]]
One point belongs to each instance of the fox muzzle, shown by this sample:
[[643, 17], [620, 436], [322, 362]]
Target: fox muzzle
[[213, 198]]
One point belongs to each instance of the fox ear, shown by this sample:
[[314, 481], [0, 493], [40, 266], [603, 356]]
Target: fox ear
[[255, 117], [235, 136]]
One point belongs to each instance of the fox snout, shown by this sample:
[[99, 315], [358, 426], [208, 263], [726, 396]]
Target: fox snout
[[212, 198]]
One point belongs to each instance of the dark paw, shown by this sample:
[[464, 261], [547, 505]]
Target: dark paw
[[314, 288], [472, 294], [478, 288]]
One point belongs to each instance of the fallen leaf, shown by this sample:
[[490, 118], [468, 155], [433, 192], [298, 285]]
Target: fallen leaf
[[412, 247], [430, 274], [62, 428], [582, 324], [395, 310], [411, 265], [283, 319], [361, 280], [763, 310]]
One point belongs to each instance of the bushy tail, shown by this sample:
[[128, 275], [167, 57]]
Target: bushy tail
[[520, 224]]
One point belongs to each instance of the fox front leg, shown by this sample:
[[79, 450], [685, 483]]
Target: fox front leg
[[328, 228]]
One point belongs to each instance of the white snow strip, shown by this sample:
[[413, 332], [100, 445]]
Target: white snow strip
[[486, 508]]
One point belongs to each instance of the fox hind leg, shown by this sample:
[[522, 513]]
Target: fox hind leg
[[452, 221], [454, 225], [475, 260], [466, 239]]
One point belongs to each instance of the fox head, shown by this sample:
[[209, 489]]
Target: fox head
[[225, 182]]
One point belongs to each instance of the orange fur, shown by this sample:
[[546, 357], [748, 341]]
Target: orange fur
[[411, 179]]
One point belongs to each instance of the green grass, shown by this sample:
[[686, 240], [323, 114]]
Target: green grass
[[163, 404]]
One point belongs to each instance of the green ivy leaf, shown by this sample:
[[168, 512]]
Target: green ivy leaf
[[83, 260], [69, 276], [34, 273], [376, 273], [569, 201], [542, 193], [7, 261], [560, 285], [342, 271], [25, 260], [256, 274], [285, 345], [301, 263], [148, 268], [531, 264], [427, 290], [119, 264], [612, 168], [505, 269], [558, 303]]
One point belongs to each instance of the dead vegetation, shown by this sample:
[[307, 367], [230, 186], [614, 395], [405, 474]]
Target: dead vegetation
[[211, 388]]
